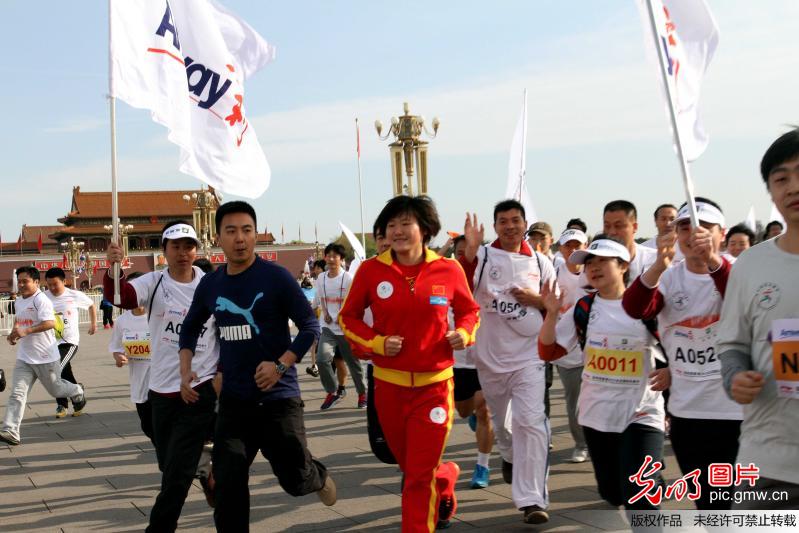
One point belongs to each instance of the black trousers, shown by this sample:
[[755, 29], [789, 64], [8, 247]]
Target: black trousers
[[67, 352], [145, 412], [699, 442], [549, 378], [179, 431], [108, 315], [617, 456], [377, 441], [276, 429]]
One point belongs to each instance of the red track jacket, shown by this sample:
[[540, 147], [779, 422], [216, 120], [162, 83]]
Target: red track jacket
[[420, 317]]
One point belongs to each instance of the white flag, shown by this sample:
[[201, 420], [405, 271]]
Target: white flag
[[357, 247], [751, 221], [687, 37], [517, 166], [186, 61]]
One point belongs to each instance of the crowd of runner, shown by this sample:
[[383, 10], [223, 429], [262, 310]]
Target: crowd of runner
[[690, 336]]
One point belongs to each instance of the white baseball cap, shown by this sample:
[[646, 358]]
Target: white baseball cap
[[602, 248], [180, 231], [573, 235], [705, 212]]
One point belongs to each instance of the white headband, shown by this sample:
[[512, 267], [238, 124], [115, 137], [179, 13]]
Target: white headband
[[603, 248], [704, 211], [180, 231]]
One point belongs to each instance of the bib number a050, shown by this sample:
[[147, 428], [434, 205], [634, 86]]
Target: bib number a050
[[506, 307]]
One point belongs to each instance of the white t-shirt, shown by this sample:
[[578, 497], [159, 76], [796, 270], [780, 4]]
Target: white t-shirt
[[652, 243], [571, 286], [36, 348], [507, 339], [688, 325], [170, 304], [330, 294], [67, 306], [619, 356], [644, 257], [131, 336]]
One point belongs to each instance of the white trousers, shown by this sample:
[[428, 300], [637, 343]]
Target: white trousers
[[526, 442]]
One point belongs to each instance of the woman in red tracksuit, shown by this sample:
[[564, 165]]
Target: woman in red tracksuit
[[409, 289]]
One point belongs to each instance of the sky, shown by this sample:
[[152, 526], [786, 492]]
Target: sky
[[596, 118]]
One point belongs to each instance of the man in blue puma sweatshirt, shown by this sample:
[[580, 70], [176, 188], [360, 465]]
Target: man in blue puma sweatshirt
[[260, 407]]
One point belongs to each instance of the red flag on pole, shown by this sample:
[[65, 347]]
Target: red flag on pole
[[39, 244]]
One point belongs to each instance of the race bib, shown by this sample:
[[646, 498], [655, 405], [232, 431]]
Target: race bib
[[616, 361], [694, 357], [785, 356], [136, 349]]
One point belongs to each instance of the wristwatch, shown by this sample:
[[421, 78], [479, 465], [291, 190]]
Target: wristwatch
[[281, 368]]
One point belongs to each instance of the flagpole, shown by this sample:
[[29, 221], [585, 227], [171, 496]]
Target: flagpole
[[523, 159], [686, 173], [114, 199], [360, 183]]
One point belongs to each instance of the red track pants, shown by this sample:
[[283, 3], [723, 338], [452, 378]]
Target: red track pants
[[416, 422]]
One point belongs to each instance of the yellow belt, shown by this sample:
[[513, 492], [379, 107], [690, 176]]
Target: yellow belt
[[404, 378]]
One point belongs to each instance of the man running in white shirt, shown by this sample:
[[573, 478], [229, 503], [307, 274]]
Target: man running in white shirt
[[572, 283], [620, 221], [179, 429], [686, 300], [507, 277], [37, 354], [66, 303], [332, 287], [758, 338]]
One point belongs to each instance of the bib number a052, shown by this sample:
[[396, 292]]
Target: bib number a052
[[694, 357]]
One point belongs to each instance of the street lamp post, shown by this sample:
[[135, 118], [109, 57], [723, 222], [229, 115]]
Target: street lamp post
[[73, 250], [408, 151], [124, 229], [204, 217]]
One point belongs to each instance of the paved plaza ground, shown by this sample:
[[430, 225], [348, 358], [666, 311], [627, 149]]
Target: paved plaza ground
[[97, 472]]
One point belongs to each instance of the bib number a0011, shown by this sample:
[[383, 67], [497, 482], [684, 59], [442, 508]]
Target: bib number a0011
[[694, 357], [618, 362], [785, 356]]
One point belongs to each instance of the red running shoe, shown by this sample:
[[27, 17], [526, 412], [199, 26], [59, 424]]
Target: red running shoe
[[446, 478]]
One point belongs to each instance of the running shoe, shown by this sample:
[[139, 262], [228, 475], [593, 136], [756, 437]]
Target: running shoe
[[341, 392], [60, 411], [330, 400], [2, 380], [534, 514], [579, 455], [446, 478], [8, 438], [78, 402], [473, 422], [327, 494], [312, 370], [480, 477], [362, 401]]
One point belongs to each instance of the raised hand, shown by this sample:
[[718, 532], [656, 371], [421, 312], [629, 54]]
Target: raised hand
[[474, 235]]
